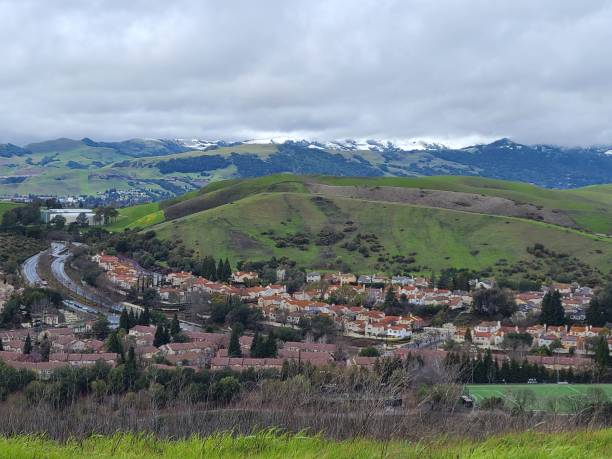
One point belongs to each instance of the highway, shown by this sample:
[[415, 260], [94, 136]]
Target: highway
[[29, 271], [60, 254]]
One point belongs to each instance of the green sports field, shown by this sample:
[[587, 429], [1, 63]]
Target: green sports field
[[548, 397]]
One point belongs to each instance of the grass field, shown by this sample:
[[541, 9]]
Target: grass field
[[530, 445], [548, 397]]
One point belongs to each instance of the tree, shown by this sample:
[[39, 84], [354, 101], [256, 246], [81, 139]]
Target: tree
[[468, 335], [145, 317], [391, 303], [45, 348], [27, 346], [271, 348], [494, 302], [516, 341], [225, 389], [552, 309], [161, 336], [175, 326], [82, 220], [256, 346], [100, 328], [602, 354], [234, 345], [221, 271], [113, 344], [369, 352], [599, 311], [150, 296], [124, 320], [58, 222]]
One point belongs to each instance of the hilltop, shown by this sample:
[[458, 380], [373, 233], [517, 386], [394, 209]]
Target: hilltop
[[391, 224], [154, 169]]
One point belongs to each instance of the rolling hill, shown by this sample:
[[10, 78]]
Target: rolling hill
[[159, 169], [392, 224]]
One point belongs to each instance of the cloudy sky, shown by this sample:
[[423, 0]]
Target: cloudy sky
[[535, 71]]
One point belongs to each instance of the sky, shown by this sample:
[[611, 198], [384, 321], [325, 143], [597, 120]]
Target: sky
[[447, 70]]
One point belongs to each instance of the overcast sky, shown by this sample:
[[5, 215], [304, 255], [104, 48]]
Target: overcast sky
[[535, 70]]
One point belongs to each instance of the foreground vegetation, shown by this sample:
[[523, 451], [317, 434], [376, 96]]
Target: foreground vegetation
[[270, 444]]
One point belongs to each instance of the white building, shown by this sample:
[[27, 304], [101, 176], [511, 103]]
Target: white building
[[71, 215]]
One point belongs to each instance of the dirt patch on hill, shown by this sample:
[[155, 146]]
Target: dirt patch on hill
[[467, 202]]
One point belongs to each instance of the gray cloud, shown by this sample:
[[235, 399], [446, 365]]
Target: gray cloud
[[537, 71]]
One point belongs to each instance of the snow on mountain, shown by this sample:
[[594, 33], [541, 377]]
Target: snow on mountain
[[200, 144]]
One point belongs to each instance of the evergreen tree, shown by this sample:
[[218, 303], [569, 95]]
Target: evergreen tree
[[391, 301], [124, 320], [175, 326], [160, 337], [602, 354], [113, 344], [130, 372], [27, 346], [220, 271], [552, 309], [271, 347], [145, 317], [468, 335], [100, 328], [234, 345], [167, 336], [227, 270], [45, 348], [132, 319], [256, 346]]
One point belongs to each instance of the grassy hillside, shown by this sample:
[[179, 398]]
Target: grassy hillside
[[252, 228], [575, 445], [313, 221], [142, 216], [590, 207]]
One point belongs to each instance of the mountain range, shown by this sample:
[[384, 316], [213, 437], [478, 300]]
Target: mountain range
[[160, 168]]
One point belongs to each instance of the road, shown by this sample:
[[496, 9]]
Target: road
[[29, 271], [60, 254]]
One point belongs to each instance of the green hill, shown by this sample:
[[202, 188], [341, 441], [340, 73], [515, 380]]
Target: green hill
[[392, 225]]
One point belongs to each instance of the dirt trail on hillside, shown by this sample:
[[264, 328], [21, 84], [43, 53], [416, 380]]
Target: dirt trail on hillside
[[467, 202]]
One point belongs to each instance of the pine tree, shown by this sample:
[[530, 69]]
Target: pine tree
[[132, 319], [602, 354], [145, 317], [227, 270], [234, 345], [220, 271], [271, 347], [212, 269], [113, 344], [256, 346], [552, 309], [175, 326], [160, 337], [390, 302], [27, 346], [124, 320]]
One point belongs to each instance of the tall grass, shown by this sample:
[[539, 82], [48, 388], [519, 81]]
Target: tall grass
[[271, 444]]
